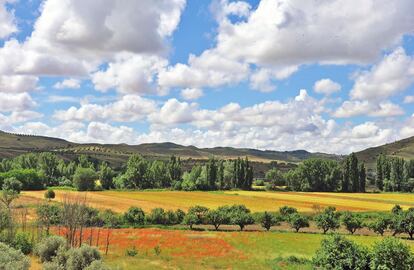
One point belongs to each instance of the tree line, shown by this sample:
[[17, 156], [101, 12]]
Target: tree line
[[394, 174], [37, 171]]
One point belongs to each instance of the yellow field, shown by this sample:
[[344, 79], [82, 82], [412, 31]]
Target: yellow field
[[120, 201]]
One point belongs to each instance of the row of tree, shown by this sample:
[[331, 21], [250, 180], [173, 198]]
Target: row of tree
[[324, 175], [394, 174]]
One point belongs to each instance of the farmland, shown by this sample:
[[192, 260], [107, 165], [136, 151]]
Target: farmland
[[120, 201], [184, 249]]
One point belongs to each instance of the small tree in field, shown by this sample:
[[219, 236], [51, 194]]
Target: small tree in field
[[240, 215], [267, 220], [351, 221], [217, 218], [298, 221], [50, 194], [199, 212], [328, 220], [286, 211], [380, 225], [190, 220]]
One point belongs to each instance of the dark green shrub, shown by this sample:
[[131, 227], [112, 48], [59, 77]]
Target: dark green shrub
[[298, 221], [328, 220], [135, 216], [391, 254], [22, 242], [351, 221], [157, 216], [131, 252], [267, 220], [50, 194], [80, 258], [336, 252]]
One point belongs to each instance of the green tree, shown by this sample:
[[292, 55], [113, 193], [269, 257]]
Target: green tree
[[106, 175], [351, 221], [362, 177], [48, 215], [298, 221], [217, 218], [49, 194], [267, 220], [380, 225], [328, 219], [84, 179]]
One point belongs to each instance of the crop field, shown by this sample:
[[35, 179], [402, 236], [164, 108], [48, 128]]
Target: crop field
[[184, 249], [120, 201]]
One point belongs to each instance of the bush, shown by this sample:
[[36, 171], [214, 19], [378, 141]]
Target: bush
[[135, 216], [391, 253], [131, 252], [259, 182], [157, 216], [337, 252], [180, 216], [48, 248], [22, 242], [50, 194], [380, 225], [12, 184], [11, 258], [80, 258], [217, 217], [240, 215], [97, 265], [84, 179], [110, 219]]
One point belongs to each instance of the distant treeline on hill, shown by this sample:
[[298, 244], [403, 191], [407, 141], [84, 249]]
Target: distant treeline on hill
[[41, 170]]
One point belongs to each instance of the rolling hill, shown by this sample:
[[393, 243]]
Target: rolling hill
[[403, 148], [14, 144]]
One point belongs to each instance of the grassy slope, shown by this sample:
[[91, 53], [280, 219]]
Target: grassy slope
[[120, 201], [403, 148]]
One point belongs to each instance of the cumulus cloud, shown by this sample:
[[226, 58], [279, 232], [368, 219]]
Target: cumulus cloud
[[326, 86], [297, 32], [7, 20], [355, 108], [207, 70], [394, 74], [17, 83], [68, 84], [191, 93], [127, 109], [130, 74], [15, 102]]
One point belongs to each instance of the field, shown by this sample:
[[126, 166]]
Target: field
[[183, 249], [120, 201]]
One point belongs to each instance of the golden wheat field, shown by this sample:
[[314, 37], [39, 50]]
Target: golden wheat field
[[119, 201]]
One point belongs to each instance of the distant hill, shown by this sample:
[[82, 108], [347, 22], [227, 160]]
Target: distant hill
[[14, 144], [403, 148]]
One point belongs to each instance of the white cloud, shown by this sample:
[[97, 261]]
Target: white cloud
[[58, 99], [130, 74], [129, 108], [68, 84], [408, 99], [207, 70], [17, 83], [296, 32], [355, 108], [174, 112], [15, 102], [191, 93], [326, 86], [7, 20], [394, 74]]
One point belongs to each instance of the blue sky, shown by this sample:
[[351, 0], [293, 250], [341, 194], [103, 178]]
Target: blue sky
[[269, 74]]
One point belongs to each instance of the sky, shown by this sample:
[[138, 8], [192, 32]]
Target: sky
[[331, 76]]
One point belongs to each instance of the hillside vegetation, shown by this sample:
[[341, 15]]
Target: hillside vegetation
[[12, 145], [403, 148]]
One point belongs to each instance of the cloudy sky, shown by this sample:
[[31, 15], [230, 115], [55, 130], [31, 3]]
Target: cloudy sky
[[323, 75]]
